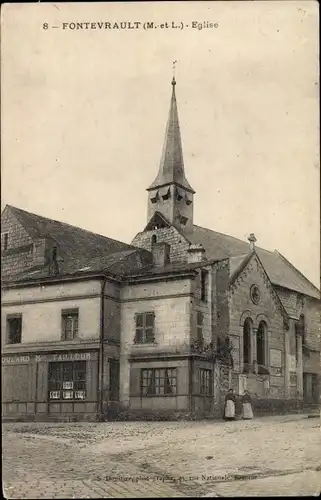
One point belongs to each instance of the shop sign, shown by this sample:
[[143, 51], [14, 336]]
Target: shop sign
[[16, 360], [66, 356], [69, 356]]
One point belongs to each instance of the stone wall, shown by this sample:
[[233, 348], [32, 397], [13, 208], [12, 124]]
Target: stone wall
[[179, 245], [170, 301], [41, 308], [267, 309], [19, 254]]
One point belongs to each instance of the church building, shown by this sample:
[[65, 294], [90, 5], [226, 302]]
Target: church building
[[164, 325]]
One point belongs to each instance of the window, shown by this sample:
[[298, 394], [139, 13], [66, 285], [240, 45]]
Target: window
[[145, 328], [4, 241], [67, 380], [199, 326], [204, 285], [14, 328], [205, 382], [69, 324], [247, 333], [261, 344], [158, 382]]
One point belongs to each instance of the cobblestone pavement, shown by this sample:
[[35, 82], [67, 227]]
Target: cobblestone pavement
[[267, 456]]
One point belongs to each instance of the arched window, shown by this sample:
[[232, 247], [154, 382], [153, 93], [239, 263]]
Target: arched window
[[154, 239], [247, 333], [261, 343]]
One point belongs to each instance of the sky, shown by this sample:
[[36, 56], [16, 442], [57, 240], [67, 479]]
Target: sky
[[84, 113]]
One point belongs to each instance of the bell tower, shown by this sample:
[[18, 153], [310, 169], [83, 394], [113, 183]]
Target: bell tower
[[171, 194]]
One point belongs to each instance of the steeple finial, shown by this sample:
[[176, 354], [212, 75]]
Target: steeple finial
[[173, 80]]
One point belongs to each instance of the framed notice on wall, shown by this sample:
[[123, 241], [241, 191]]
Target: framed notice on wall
[[276, 358]]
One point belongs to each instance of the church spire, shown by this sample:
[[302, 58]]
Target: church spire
[[171, 195], [171, 169]]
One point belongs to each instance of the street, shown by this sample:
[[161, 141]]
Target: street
[[267, 456]]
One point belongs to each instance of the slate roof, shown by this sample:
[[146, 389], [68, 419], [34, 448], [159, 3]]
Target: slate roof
[[280, 271], [72, 241], [79, 250]]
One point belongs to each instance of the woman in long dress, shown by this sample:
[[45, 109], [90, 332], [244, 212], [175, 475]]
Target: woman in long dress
[[229, 406], [247, 412]]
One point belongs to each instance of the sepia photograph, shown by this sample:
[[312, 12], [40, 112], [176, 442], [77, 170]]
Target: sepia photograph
[[160, 249]]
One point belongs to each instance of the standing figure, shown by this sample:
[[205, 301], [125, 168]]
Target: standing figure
[[247, 412], [229, 406]]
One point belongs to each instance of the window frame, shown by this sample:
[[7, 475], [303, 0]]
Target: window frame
[[66, 314], [206, 382], [61, 385], [158, 382], [247, 347], [10, 317], [144, 338], [263, 346], [199, 326]]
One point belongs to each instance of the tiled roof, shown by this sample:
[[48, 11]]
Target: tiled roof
[[280, 271], [171, 169]]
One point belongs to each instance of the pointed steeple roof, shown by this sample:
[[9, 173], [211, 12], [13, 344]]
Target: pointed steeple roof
[[171, 169]]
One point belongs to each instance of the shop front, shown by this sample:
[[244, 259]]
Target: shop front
[[51, 385]]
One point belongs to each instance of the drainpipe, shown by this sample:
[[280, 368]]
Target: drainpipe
[[101, 349]]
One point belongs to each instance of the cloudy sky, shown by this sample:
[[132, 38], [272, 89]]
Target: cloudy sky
[[84, 115]]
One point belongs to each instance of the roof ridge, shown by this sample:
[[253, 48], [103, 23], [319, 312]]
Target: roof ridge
[[296, 270], [69, 225]]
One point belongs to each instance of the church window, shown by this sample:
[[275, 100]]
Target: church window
[[182, 219], [204, 285], [154, 197], [166, 195], [145, 328], [188, 200], [261, 338], [154, 239], [247, 333], [179, 193]]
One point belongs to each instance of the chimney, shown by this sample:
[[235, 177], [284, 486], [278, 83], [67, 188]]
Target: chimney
[[252, 241], [196, 253], [161, 253]]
